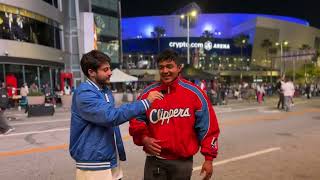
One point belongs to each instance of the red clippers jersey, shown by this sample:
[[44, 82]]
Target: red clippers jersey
[[182, 121]]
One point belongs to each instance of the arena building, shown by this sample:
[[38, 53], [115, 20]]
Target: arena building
[[213, 44]]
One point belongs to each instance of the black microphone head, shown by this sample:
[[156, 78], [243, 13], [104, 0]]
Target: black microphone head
[[163, 91]]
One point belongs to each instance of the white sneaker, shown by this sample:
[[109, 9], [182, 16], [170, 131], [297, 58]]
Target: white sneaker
[[8, 131]]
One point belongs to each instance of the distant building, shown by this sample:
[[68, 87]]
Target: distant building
[[219, 53], [40, 39]]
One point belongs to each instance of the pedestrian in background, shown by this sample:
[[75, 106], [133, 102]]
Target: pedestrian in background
[[24, 91], [308, 91], [288, 92], [5, 128], [280, 93]]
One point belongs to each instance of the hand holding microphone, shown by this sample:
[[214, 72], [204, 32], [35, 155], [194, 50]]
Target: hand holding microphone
[[153, 95]]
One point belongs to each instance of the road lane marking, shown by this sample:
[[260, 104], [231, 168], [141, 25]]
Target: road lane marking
[[239, 110], [246, 156], [34, 132], [260, 107], [128, 137], [39, 122], [225, 122], [34, 150], [268, 117]]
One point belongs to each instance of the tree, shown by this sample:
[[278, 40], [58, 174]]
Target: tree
[[309, 73], [241, 41], [267, 44], [206, 36], [303, 48], [157, 33]]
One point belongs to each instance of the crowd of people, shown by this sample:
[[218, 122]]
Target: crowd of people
[[220, 93], [11, 97]]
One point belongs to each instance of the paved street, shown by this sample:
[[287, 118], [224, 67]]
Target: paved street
[[256, 142]]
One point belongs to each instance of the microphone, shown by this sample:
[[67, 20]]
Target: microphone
[[164, 92]]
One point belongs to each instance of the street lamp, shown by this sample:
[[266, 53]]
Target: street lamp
[[282, 63], [244, 41], [188, 15]]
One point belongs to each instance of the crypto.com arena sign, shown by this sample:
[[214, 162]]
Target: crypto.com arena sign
[[207, 45]]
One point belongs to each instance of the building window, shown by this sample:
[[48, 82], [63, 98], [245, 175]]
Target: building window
[[106, 25], [110, 47], [15, 71], [44, 77], [18, 25], [52, 2], [107, 31], [106, 4], [31, 74]]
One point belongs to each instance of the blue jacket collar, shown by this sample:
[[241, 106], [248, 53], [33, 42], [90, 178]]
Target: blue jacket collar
[[94, 84]]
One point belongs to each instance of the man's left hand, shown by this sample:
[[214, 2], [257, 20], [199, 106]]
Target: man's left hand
[[207, 167]]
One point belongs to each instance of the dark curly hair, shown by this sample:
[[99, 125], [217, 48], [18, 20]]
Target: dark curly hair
[[169, 54], [93, 60]]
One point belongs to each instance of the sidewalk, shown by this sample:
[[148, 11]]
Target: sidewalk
[[269, 100], [15, 114]]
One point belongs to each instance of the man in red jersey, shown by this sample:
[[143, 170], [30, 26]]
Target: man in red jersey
[[174, 128]]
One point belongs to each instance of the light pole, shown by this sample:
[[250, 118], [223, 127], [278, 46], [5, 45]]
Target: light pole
[[188, 15], [282, 63], [243, 43]]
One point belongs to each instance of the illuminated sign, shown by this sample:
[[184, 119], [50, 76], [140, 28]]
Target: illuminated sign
[[206, 45]]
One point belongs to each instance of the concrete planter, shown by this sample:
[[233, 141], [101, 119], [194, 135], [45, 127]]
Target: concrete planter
[[34, 100]]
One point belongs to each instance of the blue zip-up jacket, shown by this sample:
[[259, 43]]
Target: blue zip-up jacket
[[94, 133]]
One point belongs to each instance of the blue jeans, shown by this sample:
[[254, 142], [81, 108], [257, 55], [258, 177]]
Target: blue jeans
[[287, 103]]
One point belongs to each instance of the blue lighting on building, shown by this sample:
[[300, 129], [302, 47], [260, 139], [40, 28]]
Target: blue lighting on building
[[222, 25]]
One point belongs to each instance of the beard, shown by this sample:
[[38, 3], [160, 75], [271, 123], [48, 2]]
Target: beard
[[102, 81]]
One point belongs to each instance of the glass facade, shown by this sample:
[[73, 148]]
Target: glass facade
[[106, 4], [107, 27], [52, 2], [40, 75], [16, 71], [45, 75], [25, 26]]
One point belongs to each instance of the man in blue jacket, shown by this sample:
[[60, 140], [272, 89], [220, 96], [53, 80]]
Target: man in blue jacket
[[95, 139]]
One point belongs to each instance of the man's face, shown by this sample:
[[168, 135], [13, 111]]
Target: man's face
[[103, 74], [169, 71]]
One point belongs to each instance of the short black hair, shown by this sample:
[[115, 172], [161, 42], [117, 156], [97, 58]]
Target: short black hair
[[169, 54], [93, 60]]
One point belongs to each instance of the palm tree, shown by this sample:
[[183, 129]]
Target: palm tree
[[267, 44], [206, 36], [272, 51], [303, 48], [241, 41], [157, 33]]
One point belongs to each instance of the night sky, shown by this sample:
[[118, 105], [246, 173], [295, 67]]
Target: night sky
[[304, 9]]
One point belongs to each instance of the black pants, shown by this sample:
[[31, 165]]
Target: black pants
[[160, 169], [4, 126], [281, 101]]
